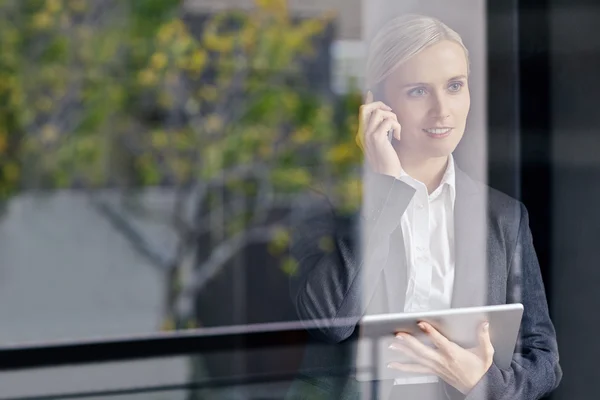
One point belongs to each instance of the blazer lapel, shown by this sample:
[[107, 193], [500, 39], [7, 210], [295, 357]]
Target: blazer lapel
[[470, 243], [395, 272], [392, 279]]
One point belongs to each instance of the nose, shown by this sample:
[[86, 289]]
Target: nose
[[440, 108]]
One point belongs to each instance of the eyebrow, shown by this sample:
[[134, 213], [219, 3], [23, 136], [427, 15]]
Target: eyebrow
[[454, 78]]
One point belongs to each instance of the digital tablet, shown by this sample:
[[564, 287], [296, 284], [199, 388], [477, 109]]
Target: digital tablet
[[460, 325]]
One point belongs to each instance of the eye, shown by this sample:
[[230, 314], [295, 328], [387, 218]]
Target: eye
[[417, 92], [455, 86]]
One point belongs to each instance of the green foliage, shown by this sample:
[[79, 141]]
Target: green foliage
[[121, 92], [75, 90], [99, 92]]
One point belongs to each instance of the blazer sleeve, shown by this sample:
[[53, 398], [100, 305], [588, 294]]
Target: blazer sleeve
[[331, 282], [535, 369]]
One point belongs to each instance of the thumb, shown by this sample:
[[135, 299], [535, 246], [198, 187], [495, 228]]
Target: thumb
[[485, 342]]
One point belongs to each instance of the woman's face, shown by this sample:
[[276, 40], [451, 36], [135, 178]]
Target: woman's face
[[430, 95]]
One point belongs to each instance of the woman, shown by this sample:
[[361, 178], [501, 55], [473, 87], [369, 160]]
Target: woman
[[422, 240]]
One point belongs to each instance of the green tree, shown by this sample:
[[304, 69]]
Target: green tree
[[233, 128]]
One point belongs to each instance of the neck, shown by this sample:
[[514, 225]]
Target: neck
[[427, 170]]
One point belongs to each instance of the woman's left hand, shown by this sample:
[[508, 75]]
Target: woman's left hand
[[459, 367]]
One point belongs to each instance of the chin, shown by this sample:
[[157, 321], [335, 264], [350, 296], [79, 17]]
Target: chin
[[440, 147], [439, 151]]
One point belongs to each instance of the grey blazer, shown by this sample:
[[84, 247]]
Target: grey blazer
[[349, 267]]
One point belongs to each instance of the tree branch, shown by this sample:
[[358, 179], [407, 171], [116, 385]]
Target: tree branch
[[135, 238], [207, 270]]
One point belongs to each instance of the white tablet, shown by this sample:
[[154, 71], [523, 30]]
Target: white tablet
[[459, 325]]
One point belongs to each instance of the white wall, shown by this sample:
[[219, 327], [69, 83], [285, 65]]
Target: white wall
[[65, 274]]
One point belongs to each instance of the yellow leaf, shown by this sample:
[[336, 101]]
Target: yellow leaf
[[49, 134], [159, 139], [53, 5], [77, 5], [221, 44], [159, 60], [147, 77], [11, 172], [340, 154], [197, 60], [42, 20], [178, 26], [301, 136], [180, 45], [248, 38], [165, 33]]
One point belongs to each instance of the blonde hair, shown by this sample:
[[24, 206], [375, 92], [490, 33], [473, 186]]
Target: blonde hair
[[402, 38]]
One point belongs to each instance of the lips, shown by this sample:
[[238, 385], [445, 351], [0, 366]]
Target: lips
[[438, 133]]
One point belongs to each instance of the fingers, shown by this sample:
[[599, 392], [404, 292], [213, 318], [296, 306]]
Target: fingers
[[364, 118], [485, 342], [377, 117], [398, 132], [379, 135], [417, 348], [407, 351], [366, 112], [366, 121], [439, 340], [382, 130]]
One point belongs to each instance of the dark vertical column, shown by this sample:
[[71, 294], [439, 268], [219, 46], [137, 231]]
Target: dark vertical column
[[575, 77], [535, 123], [503, 96], [519, 132], [519, 115]]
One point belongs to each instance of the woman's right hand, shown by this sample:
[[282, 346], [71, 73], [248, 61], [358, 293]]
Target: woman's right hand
[[375, 120]]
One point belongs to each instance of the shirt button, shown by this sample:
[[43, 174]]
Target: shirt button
[[420, 206]]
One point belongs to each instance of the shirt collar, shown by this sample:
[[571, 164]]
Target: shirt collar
[[448, 179]]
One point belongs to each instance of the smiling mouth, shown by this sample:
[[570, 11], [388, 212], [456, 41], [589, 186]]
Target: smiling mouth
[[438, 131]]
